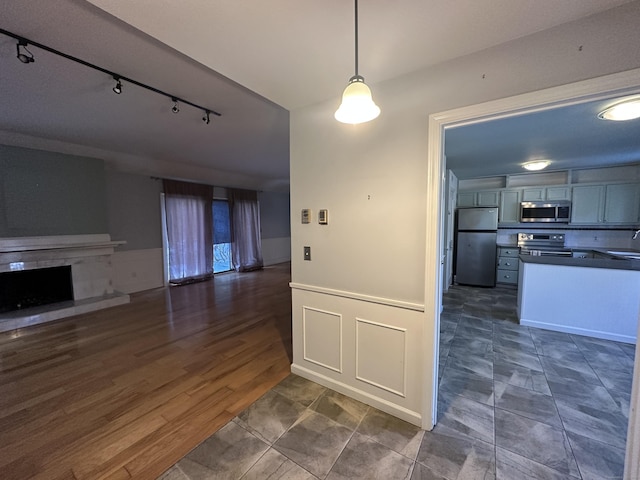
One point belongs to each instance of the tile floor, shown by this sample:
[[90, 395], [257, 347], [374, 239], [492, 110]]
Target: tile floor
[[514, 403]]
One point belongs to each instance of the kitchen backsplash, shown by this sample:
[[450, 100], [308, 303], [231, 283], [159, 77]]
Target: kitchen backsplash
[[578, 238]]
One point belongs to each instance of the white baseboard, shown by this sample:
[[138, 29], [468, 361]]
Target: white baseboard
[[407, 415], [579, 331]]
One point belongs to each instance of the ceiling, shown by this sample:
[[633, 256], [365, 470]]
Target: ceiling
[[251, 61], [570, 137]]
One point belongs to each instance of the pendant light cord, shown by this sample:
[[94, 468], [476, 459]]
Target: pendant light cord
[[356, 30]]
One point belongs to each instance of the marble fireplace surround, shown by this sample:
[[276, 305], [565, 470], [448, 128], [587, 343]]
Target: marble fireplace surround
[[90, 259]]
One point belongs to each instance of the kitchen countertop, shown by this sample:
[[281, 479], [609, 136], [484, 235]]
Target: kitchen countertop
[[610, 263]]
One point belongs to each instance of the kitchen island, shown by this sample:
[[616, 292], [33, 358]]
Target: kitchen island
[[596, 297]]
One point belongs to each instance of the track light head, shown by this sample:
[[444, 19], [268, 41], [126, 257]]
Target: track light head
[[175, 108], [205, 118], [20, 55], [118, 88]]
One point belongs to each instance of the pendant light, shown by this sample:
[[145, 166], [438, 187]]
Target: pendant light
[[357, 105]]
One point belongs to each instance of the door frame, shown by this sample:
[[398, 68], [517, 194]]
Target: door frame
[[619, 84]]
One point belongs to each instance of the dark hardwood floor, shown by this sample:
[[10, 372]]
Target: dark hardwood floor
[[126, 392]]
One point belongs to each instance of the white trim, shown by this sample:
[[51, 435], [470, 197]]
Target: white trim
[[358, 296], [376, 402], [304, 338], [404, 363], [578, 331], [623, 83]]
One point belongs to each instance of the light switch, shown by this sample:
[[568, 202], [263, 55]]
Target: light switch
[[307, 253], [306, 215], [323, 217]]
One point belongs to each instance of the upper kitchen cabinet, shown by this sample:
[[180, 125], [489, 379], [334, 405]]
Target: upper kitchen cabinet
[[485, 198], [488, 198], [610, 204], [546, 193], [587, 204], [622, 203], [509, 210]]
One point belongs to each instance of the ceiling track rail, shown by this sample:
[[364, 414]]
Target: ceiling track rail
[[23, 41]]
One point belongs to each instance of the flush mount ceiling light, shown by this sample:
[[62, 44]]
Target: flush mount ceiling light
[[625, 110], [536, 165], [25, 56], [118, 88], [21, 55], [357, 105]]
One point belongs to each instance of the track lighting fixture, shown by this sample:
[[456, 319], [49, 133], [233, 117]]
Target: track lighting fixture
[[118, 88], [24, 57]]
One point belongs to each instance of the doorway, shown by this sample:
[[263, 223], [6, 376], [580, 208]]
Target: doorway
[[625, 83]]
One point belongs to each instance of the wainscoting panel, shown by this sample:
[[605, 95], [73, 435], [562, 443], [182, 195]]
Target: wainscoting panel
[[322, 333], [367, 350], [381, 352]]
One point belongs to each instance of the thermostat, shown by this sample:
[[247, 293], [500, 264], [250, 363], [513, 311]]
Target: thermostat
[[306, 215]]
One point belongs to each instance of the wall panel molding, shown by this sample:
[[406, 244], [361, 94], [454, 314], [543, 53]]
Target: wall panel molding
[[322, 338], [381, 356], [418, 307]]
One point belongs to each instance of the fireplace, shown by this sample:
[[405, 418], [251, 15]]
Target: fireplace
[[47, 278], [32, 288]]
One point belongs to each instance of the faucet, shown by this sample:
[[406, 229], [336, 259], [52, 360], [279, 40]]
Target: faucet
[[635, 234]]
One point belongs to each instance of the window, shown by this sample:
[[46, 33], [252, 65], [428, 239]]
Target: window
[[221, 237]]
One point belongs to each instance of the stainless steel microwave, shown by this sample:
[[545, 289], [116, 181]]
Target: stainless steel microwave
[[556, 211]]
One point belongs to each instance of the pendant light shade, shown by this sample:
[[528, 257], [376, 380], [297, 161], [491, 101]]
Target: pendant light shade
[[357, 104]]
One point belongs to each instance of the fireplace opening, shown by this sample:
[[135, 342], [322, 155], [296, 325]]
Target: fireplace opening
[[31, 288]]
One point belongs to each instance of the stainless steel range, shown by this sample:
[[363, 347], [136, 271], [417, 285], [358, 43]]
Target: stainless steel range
[[539, 244]]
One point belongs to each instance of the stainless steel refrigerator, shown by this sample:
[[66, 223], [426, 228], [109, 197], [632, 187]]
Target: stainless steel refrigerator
[[476, 233]]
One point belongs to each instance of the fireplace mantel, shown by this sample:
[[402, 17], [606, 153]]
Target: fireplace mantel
[[90, 259]]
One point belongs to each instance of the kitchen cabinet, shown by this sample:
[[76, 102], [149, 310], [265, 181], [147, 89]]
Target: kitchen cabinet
[[622, 203], [509, 208], [610, 204], [587, 204], [466, 199], [507, 266], [483, 198], [537, 194], [488, 198]]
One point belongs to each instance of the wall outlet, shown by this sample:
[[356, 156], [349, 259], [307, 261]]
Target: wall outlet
[[307, 253]]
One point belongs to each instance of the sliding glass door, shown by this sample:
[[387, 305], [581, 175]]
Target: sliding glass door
[[221, 237]]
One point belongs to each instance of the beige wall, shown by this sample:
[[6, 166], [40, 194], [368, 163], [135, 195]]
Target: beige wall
[[373, 179]]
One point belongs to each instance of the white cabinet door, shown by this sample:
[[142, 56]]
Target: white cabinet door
[[622, 203], [466, 199], [536, 194], [558, 193], [533, 194], [587, 204], [488, 198], [510, 206]]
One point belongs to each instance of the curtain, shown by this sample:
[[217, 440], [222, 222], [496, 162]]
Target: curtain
[[246, 246], [189, 230]]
